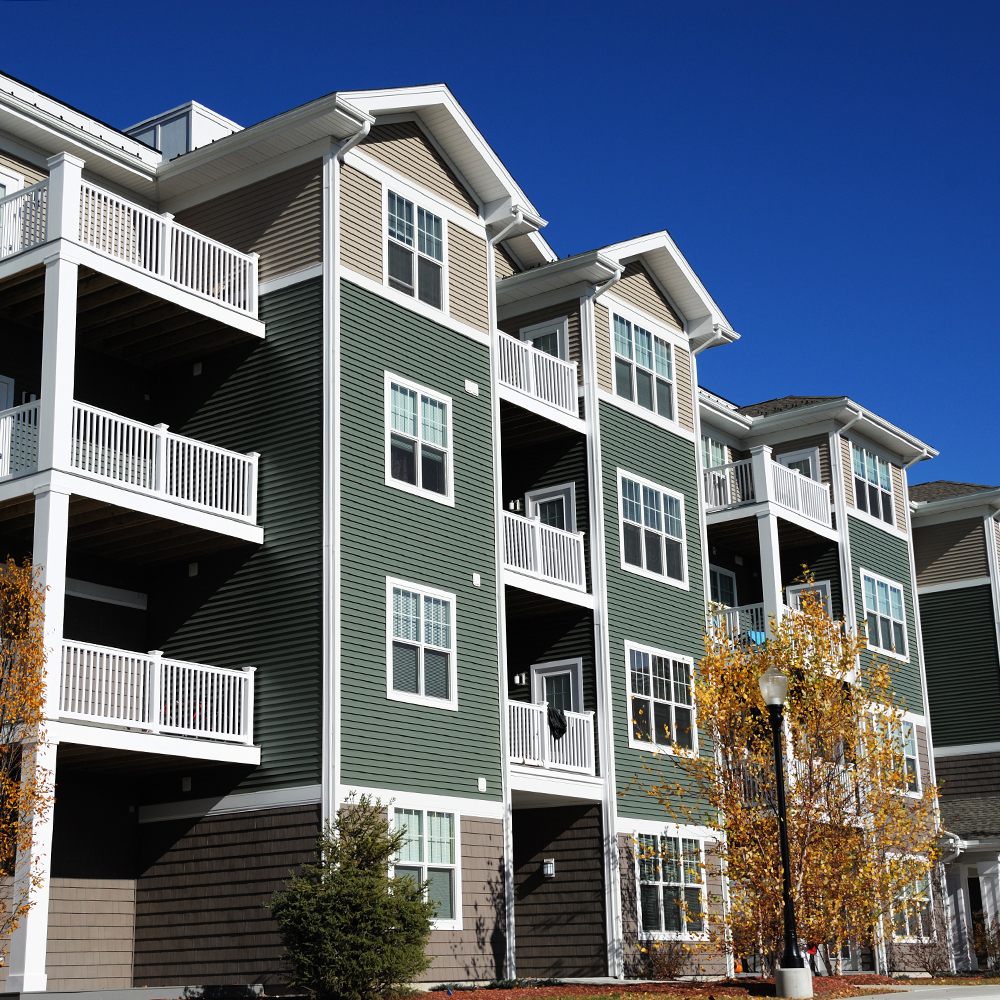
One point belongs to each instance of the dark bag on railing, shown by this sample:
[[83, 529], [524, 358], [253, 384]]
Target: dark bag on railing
[[557, 723]]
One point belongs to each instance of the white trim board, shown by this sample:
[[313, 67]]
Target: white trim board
[[938, 588], [276, 284], [485, 808], [967, 750], [271, 798]]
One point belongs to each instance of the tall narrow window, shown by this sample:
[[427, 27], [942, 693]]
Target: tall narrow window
[[872, 484], [912, 913], [421, 645], [428, 855], [671, 885], [713, 453], [660, 700], [418, 439], [644, 369], [652, 529], [427, 241], [885, 614], [908, 745]]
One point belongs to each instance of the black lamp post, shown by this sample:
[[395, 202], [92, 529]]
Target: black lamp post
[[774, 689]]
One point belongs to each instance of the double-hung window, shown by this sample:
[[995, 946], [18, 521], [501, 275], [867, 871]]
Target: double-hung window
[[885, 614], [872, 484], [418, 439], [421, 645], [644, 367], [412, 228], [912, 914], [908, 749], [713, 453], [671, 885], [652, 526], [428, 855], [661, 700]]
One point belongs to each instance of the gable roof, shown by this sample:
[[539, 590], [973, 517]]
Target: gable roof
[[942, 489], [781, 404]]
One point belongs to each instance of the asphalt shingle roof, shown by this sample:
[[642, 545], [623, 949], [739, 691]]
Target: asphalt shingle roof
[[941, 489]]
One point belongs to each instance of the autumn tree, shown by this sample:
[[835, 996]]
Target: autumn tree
[[861, 839], [25, 788]]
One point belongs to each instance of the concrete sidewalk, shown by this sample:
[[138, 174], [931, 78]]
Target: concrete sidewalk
[[974, 992]]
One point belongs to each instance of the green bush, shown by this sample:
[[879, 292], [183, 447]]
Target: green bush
[[350, 931]]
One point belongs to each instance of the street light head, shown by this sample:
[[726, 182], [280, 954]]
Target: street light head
[[773, 686]]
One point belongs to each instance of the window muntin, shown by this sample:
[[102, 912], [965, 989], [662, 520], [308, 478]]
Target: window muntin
[[723, 585], [559, 682], [421, 634], [805, 462], [418, 439], [913, 914], [553, 505], [428, 855], [652, 526], [661, 700], [551, 337], [429, 239], [644, 367], [713, 453], [671, 885], [885, 613], [821, 588], [872, 484]]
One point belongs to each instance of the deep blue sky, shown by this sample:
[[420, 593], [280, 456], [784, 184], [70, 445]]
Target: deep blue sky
[[830, 170]]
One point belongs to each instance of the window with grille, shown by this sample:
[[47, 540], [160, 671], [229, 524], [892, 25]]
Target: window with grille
[[652, 529], [418, 439], [661, 700], [421, 645], [644, 367], [885, 614], [872, 484], [912, 915], [713, 453], [671, 885], [416, 250], [428, 855]]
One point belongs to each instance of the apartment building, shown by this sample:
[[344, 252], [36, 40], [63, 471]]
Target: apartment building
[[956, 539], [312, 410]]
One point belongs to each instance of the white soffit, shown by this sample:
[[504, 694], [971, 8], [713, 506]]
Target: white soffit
[[592, 268]]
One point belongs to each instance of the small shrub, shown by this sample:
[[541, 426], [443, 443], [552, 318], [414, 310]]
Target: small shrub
[[663, 959], [351, 932]]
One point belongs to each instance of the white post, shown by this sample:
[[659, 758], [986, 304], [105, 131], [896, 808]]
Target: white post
[[248, 705], [760, 461], [770, 569], [251, 511], [544, 715], [155, 690], [159, 456], [63, 213], [165, 227]]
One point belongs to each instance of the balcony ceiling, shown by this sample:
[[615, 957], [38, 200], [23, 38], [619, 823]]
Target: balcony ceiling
[[116, 319]]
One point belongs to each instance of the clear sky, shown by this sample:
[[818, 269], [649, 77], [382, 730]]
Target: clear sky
[[829, 170]]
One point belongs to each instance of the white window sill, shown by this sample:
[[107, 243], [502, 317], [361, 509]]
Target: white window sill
[[448, 704], [639, 571], [661, 751], [879, 651], [442, 498]]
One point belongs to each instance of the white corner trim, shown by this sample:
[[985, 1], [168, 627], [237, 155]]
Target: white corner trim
[[937, 588], [276, 284], [272, 798]]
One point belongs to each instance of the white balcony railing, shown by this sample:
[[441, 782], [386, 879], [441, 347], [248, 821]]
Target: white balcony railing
[[144, 458], [735, 483], [138, 237], [532, 743], [742, 624], [116, 687], [550, 379], [543, 551]]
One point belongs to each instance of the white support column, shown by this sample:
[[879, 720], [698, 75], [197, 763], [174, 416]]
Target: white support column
[[58, 362], [28, 942], [63, 214], [770, 569], [760, 462]]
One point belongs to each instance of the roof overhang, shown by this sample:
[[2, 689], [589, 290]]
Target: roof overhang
[[719, 413], [592, 268], [982, 503]]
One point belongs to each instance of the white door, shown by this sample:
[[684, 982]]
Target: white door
[[558, 683]]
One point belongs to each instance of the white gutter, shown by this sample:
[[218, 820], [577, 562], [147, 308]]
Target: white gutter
[[502, 235], [350, 143], [923, 454], [958, 845], [596, 290], [719, 334]]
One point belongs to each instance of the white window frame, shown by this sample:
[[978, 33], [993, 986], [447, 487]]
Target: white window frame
[[658, 748], [565, 490], [641, 570], [428, 205], [558, 326], [915, 938], [712, 568], [910, 721], [707, 441], [421, 390], [865, 511], [896, 585], [572, 666], [12, 182], [794, 590], [455, 923], [682, 833], [451, 702], [796, 456]]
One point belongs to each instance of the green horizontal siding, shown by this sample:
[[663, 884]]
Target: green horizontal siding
[[388, 532], [640, 609], [885, 554], [963, 670], [268, 612]]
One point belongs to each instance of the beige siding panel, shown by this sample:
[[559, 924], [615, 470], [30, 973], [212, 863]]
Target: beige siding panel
[[638, 289], [602, 337], [468, 278], [405, 148], [847, 469], [923, 760], [898, 496], [685, 396], [503, 263], [472, 952], [361, 223], [280, 217], [821, 441], [946, 553], [31, 175], [571, 310]]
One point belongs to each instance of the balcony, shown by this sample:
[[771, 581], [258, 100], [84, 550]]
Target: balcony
[[531, 743], [142, 240], [761, 479], [538, 375], [139, 457], [741, 625], [543, 552], [117, 688]]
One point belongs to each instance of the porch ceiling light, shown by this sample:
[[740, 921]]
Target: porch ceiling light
[[773, 686]]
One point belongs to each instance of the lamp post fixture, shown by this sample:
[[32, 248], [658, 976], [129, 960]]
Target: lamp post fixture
[[793, 978]]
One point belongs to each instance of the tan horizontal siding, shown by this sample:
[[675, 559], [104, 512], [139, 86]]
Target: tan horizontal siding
[[638, 289], [280, 218], [946, 553], [923, 758], [361, 223], [468, 278], [898, 497], [571, 310], [848, 470], [602, 341], [503, 263], [682, 381], [405, 148], [31, 175], [821, 441]]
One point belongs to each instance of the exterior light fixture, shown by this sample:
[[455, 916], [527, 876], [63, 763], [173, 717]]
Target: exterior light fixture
[[773, 687], [548, 868]]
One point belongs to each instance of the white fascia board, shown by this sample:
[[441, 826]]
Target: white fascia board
[[512, 578], [236, 802], [983, 503], [454, 131], [562, 784], [729, 421], [593, 268], [540, 408]]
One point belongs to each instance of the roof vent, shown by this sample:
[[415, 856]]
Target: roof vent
[[182, 129]]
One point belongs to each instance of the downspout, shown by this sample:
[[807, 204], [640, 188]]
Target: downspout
[[353, 141], [597, 290], [502, 235], [718, 334]]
